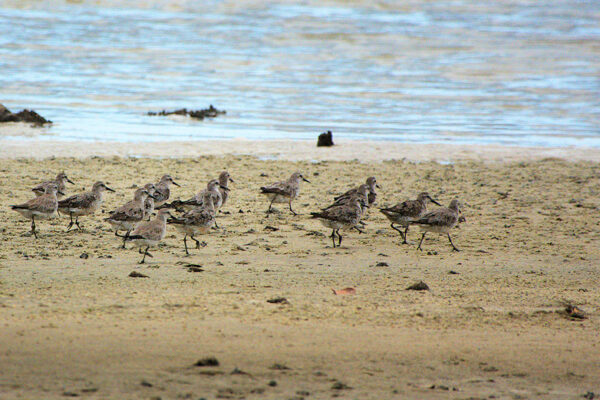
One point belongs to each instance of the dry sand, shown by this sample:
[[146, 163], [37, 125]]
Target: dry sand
[[490, 327]]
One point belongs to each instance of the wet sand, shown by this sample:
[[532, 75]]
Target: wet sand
[[294, 150], [491, 325]]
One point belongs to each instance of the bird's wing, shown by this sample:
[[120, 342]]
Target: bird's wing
[[82, 200], [347, 194], [439, 217], [408, 208], [282, 188]]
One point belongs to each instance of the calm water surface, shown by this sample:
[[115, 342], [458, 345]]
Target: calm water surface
[[508, 72]]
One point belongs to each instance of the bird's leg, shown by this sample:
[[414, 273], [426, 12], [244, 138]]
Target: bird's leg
[[197, 242], [293, 212], [216, 225], [146, 254], [333, 237], [33, 226], [359, 231], [125, 239], [339, 236], [398, 230], [422, 237], [270, 204], [70, 223], [77, 223], [454, 248], [185, 244], [405, 235]]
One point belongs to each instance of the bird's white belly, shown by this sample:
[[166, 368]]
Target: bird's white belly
[[277, 198], [36, 214], [145, 242], [123, 225], [332, 224], [435, 229]]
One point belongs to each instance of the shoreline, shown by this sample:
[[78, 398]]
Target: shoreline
[[295, 150]]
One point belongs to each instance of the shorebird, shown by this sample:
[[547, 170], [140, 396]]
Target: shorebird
[[162, 190], [83, 204], [224, 179], [59, 181], [41, 207], [150, 233], [345, 216], [284, 191], [406, 212], [197, 221], [128, 216], [362, 192], [440, 221], [149, 202], [371, 184], [213, 187]]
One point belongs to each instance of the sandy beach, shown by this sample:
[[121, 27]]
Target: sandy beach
[[492, 324]]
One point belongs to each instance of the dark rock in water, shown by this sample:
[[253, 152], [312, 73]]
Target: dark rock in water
[[325, 139], [28, 116], [210, 112], [418, 286]]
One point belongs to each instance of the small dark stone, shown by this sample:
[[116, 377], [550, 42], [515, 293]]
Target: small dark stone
[[207, 362], [325, 139], [490, 369], [194, 268], [272, 383], [382, 264], [70, 394], [574, 312], [337, 385], [271, 228], [279, 367], [145, 383], [89, 390], [135, 274], [590, 396], [418, 286], [278, 300], [303, 393], [237, 371], [451, 272], [241, 211], [84, 256]]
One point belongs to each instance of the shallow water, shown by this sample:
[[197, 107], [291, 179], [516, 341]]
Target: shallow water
[[520, 73]]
